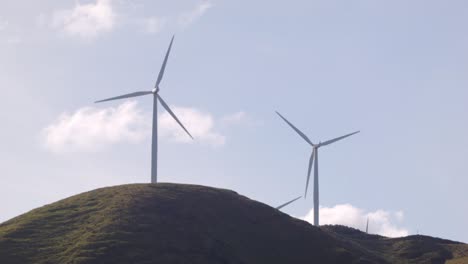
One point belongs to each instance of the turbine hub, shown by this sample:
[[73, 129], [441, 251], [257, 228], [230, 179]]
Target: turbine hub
[[155, 90]]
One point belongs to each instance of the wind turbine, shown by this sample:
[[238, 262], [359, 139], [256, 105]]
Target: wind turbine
[[367, 226], [156, 98], [314, 159]]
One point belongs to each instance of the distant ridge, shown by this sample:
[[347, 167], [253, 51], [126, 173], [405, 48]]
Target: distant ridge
[[410, 249], [176, 223]]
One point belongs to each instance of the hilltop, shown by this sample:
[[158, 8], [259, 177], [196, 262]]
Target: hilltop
[[176, 223]]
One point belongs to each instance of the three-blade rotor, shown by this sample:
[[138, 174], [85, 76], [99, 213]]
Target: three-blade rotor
[[155, 91], [313, 160]]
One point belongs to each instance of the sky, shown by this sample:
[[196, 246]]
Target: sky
[[395, 70]]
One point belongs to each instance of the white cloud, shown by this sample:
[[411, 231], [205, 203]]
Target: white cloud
[[41, 20], [187, 18], [201, 125], [153, 25], [13, 40], [3, 25], [235, 118], [91, 128], [86, 20], [381, 222], [9, 33], [95, 17]]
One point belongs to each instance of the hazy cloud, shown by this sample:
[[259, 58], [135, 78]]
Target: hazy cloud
[[9, 33], [153, 25], [86, 20], [90, 20], [187, 18], [92, 128], [381, 222], [234, 118], [3, 24], [200, 124], [41, 20], [15, 39]]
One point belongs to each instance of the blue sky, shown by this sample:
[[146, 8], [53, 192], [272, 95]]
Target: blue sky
[[396, 70]]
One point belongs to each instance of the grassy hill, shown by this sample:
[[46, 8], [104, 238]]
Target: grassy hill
[[410, 249], [174, 223]]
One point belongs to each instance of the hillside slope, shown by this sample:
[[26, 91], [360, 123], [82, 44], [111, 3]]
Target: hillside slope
[[175, 223], [165, 223], [410, 249]]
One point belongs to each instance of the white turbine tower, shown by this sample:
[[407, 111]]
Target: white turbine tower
[[156, 97], [314, 159], [367, 226]]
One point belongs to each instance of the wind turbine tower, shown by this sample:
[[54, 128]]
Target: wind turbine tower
[[156, 98], [367, 226], [314, 160]]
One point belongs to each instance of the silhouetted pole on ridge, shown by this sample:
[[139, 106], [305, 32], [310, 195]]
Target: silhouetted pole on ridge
[[367, 226], [156, 98], [314, 159]]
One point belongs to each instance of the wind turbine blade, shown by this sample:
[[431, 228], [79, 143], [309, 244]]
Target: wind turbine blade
[[172, 114], [311, 161], [328, 142], [293, 200], [125, 96], [295, 128], [163, 67]]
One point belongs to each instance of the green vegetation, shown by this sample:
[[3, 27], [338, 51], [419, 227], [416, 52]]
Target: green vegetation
[[410, 249], [173, 223]]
